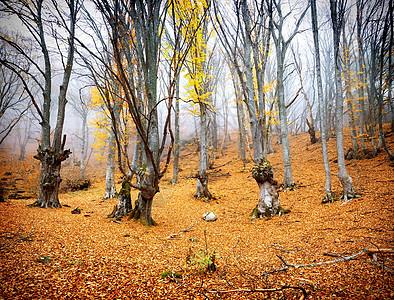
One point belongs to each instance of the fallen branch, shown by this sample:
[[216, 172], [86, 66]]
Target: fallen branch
[[377, 165], [226, 163], [260, 290], [376, 250], [346, 258], [333, 254], [173, 235], [76, 210], [305, 185], [286, 265]]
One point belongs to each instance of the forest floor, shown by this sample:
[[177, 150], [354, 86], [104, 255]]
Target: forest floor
[[53, 254]]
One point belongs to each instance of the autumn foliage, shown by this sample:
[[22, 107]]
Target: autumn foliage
[[54, 254]]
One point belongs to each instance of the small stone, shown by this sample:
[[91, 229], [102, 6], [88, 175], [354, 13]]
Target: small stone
[[209, 217], [44, 259]]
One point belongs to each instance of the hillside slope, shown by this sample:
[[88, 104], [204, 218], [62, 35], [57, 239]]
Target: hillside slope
[[56, 254]]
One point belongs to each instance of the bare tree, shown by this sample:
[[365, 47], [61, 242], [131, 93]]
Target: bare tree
[[383, 54], [246, 42], [327, 187], [310, 122], [82, 107], [281, 45], [38, 18], [337, 9], [14, 102], [134, 30]]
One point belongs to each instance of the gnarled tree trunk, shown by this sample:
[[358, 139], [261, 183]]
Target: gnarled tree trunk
[[50, 177], [268, 205], [143, 205], [124, 201]]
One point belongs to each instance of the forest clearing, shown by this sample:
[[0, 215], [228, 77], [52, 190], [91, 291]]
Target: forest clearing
[[53, 254]]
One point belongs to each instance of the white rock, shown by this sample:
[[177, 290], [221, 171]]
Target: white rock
[[209, 217]]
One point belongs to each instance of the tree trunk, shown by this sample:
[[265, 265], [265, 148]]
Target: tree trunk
[[50, 177], [361, 76], [202, 177], [329, 114], [349, 95], [390, 71], [284, 136], [142, 211], [311, 124], [124, 201], [176, 139], [381, 75], [311, 131], [225, 124], [268, 205], [215, 138], [241, 129], [110, 188], [371, 100], [83, 150], [329, 197], [343, 176]]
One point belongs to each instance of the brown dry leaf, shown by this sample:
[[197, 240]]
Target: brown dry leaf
[[95, 258]]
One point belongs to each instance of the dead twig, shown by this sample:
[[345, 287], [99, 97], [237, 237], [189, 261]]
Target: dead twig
[[377, 165], [346, 258], [305, 294], [334, 254], [286, 265], [226, 163], [305, 185], [173, 235]]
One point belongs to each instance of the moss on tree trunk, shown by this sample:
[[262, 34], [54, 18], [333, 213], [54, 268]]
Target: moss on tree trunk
[[268, 205], [143, 211], [124, 201]]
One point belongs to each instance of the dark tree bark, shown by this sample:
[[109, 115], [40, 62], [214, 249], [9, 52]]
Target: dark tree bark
[[50, 180]]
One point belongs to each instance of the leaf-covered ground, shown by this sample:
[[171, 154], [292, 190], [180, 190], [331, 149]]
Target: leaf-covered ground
[[53, 254]]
